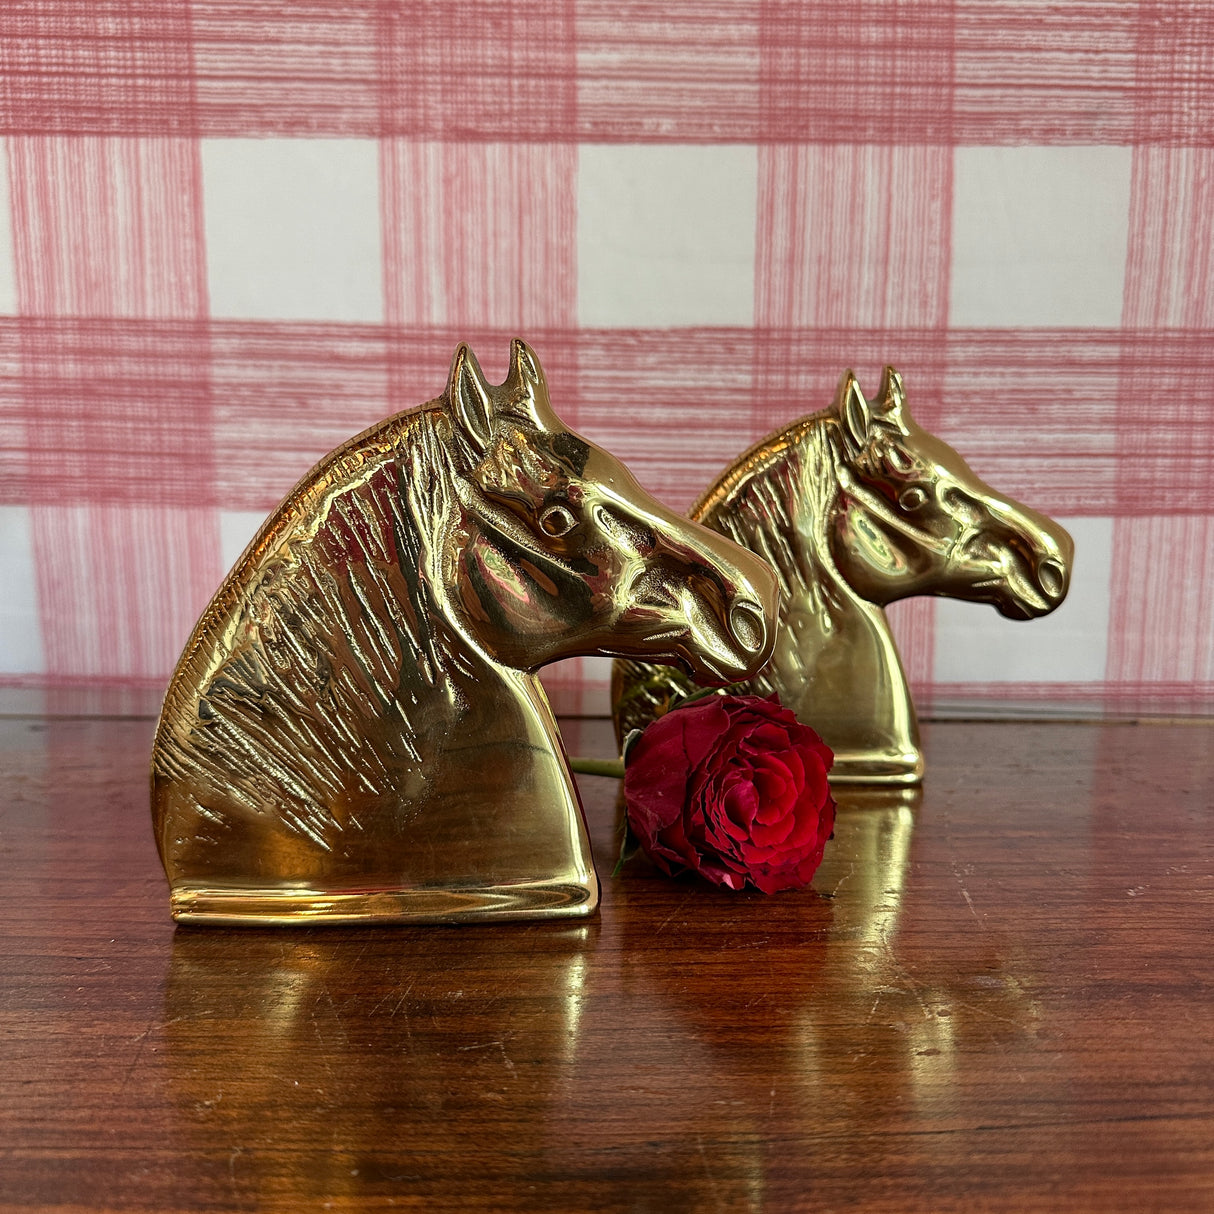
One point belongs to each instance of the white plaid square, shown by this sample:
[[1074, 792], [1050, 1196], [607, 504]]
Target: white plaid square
[[292, 229], [1039, 236], [666, 235], [20, 630]]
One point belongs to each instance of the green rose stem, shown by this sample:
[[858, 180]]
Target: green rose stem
[[598, 767]]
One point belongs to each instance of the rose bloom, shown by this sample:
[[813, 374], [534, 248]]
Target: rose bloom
[[733, 788]]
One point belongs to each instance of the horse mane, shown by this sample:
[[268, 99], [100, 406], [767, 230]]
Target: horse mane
[[775, 500], [325, 639]]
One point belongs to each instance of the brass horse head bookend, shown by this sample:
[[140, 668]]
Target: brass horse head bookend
[[355, 731], [856, 507]]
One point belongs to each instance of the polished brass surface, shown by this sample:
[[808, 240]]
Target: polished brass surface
[[355, 731], [856, 507]]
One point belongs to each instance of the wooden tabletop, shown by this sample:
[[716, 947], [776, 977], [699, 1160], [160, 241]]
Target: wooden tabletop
[[997, 999]]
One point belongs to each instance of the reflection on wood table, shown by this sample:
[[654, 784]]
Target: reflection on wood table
[[998, 997]]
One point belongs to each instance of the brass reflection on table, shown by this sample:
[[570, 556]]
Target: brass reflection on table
[[355, 730], [399, 1054], [856, 507]]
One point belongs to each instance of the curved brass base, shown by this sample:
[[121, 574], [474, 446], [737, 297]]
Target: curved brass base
[[864, 767], [297, 907]]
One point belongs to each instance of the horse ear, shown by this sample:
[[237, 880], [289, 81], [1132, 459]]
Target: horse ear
[[854, 414], [469, 398], [527, 390], [525, 370], [893, 396]]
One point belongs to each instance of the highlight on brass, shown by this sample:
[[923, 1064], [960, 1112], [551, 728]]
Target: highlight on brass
[[856, 507], [355, 731]]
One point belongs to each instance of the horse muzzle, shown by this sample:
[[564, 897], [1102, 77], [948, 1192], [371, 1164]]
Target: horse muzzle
[[1038, 583], [739, 651], [720, 626]]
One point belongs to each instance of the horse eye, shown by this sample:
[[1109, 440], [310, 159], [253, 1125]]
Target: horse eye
[[912, 499], [557, 521]]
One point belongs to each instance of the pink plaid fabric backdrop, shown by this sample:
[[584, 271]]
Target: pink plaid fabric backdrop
[[233, 234]]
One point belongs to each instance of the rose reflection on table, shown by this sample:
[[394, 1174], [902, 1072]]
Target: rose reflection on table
[[866, 1025]]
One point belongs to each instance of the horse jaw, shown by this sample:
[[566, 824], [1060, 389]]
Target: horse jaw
[[1025, 572]]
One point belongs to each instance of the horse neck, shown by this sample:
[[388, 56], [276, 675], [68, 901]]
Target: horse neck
[[834, 651], [466, 740]]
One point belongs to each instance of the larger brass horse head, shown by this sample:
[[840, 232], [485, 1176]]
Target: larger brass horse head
[[355, 730], [856, 507]]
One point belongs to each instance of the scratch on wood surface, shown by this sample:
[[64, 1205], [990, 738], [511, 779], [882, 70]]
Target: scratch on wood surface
[[847, 876], [966, 894], [499, 1044], [130, 1070], [662, 926]]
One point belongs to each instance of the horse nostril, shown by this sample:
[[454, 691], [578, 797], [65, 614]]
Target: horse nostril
[[747, 625], [1051, 577]]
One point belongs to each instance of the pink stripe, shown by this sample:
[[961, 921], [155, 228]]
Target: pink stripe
[[1034, 71], [1161, 620], [1173, 65], [841, 72], [853, 236], [1170, 256], [119, 588], [770, 71], [682, 72], [117, 414], [479, 69], [97, 67], [122, 410], [107, 226], [1185, 697], [1162, 611], [481, 235]]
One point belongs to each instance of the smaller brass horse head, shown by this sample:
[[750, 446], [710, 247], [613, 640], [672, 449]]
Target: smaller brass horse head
[[856, 507], [912, 518], [355, 730]]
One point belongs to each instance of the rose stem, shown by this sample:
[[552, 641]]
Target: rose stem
[[598, 767]]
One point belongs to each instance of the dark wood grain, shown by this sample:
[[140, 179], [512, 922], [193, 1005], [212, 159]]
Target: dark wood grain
[[998, 999]]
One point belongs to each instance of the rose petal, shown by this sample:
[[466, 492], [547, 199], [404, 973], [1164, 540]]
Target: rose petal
[[776, 835], [739, 804], [734, 788], [776, 791]]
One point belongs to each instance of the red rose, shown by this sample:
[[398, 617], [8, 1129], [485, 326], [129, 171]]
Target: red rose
[[733, 788]]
